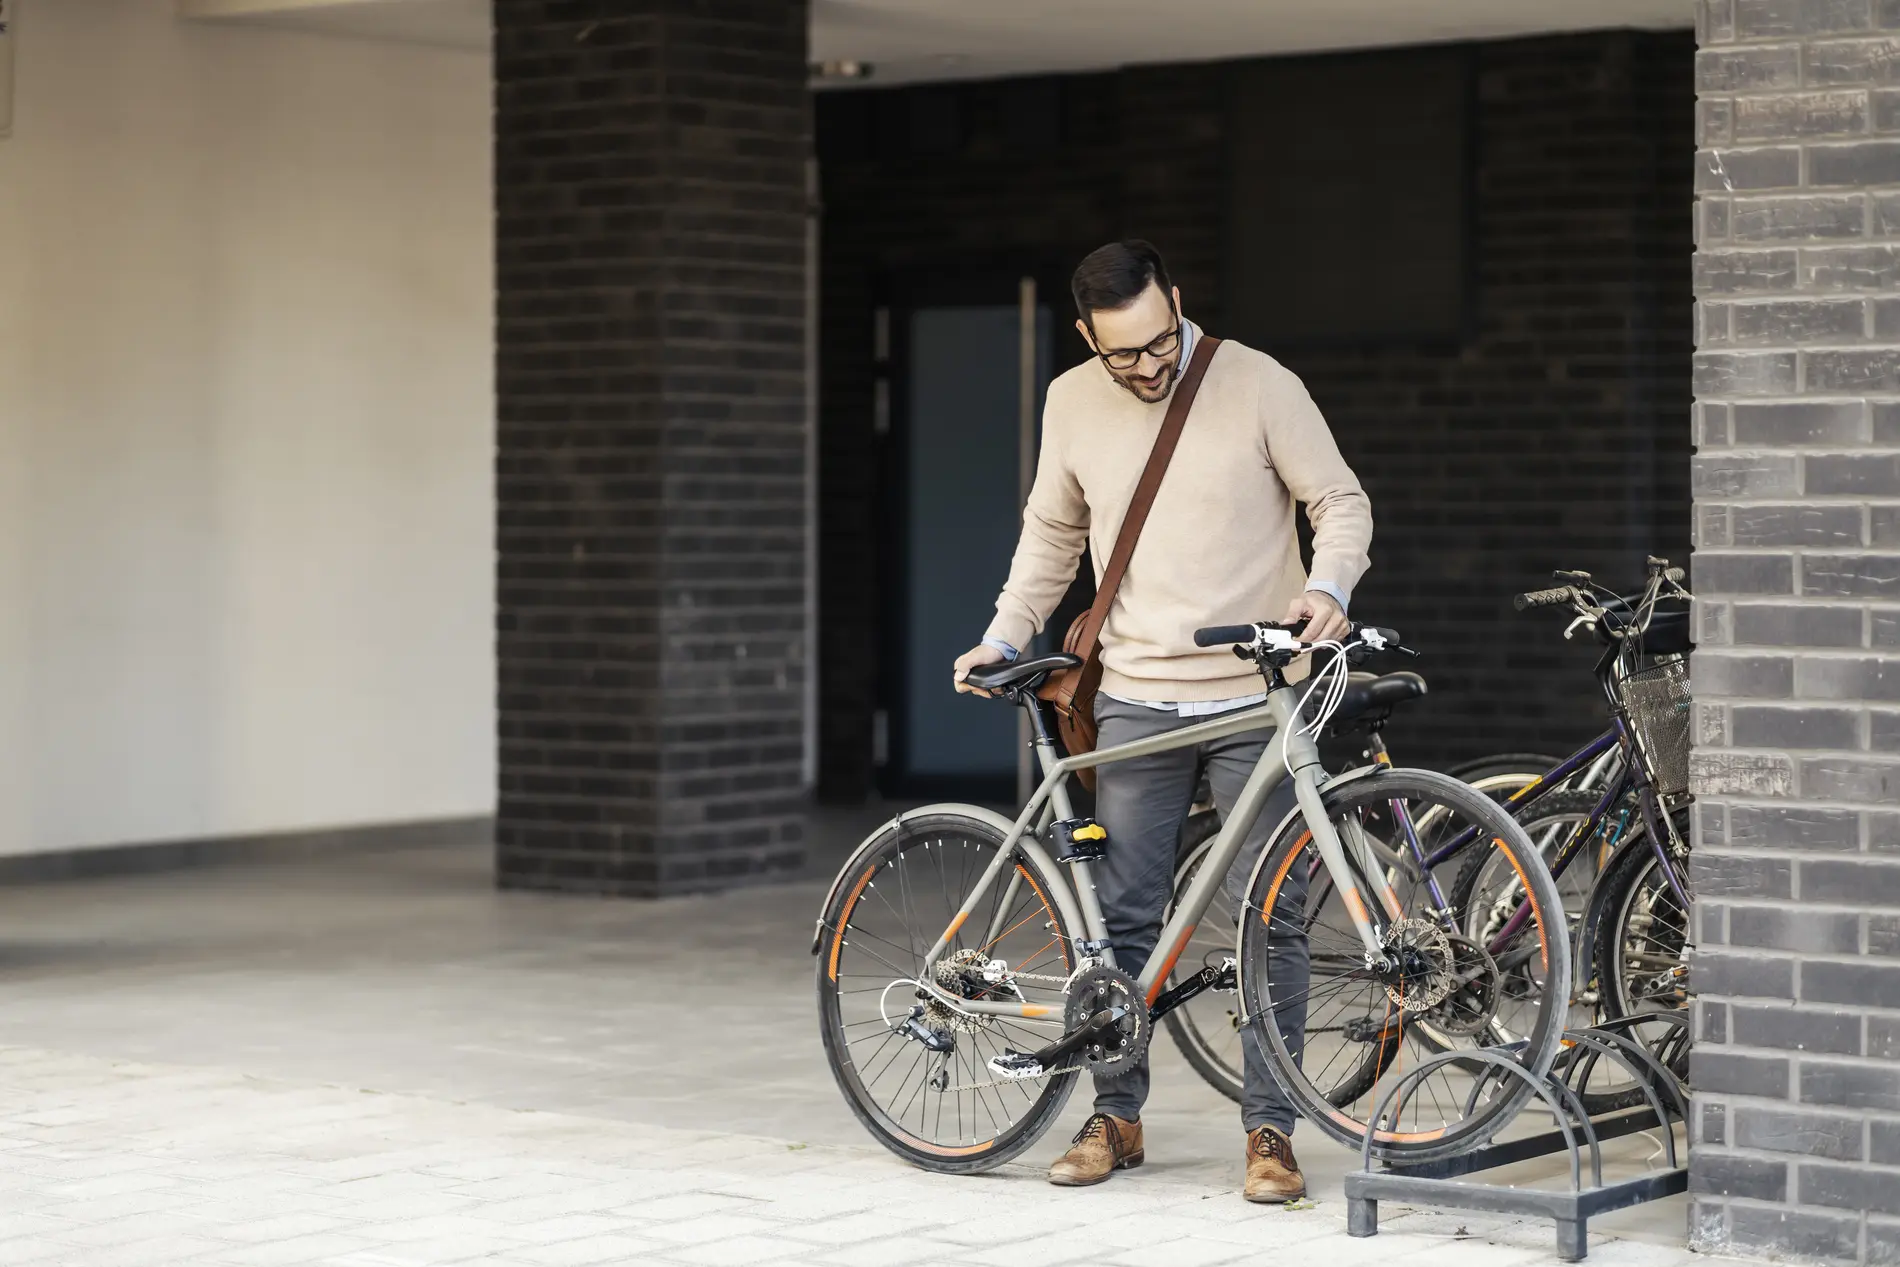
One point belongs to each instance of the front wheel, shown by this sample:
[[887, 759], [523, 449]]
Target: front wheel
[[913, 1066], [1327, 1016]]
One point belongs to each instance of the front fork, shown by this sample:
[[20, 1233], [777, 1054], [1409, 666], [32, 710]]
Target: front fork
[[1346, 858]]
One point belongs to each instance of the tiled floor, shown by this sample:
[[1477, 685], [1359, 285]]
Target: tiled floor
[[538, 1050]]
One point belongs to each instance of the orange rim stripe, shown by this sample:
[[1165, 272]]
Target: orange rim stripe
[[844, 917]]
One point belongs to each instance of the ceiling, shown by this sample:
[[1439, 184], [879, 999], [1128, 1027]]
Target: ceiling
[[911, 40], [908, 41], [443, 23]]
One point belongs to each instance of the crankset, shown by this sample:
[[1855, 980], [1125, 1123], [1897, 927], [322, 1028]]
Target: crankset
[[1109, 1027]]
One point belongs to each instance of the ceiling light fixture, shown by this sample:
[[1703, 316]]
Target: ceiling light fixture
[[846, 69]]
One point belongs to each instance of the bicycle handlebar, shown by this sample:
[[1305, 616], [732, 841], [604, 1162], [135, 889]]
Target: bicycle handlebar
[[1215, 635], [1238, 635], [1557, 597]]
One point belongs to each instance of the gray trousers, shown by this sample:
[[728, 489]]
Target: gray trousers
[[1142, 803]]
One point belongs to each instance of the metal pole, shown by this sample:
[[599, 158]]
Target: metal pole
[[808, 765], [1026, 774]]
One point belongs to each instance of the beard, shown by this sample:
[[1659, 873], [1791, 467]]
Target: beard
[[1152, 393]]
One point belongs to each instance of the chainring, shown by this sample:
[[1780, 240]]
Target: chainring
[[1098, 986]]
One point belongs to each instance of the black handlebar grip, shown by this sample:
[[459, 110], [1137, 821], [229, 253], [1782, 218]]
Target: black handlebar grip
[[1391, 636], [1542, 598], [1216, 635]]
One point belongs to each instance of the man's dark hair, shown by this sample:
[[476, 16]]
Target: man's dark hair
[[1114, 276]]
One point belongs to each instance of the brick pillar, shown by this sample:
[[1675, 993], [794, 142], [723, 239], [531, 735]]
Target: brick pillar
[[650, 169], [1797, 485]]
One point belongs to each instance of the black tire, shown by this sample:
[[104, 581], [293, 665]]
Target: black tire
[[1024, 1115], [1291, 847], [1634, 879], [1638, 899]]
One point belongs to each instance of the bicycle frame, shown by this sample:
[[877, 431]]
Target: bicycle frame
[[1076, 900]]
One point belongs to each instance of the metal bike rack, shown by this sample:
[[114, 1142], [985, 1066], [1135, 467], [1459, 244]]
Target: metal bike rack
[[1578, 1134]]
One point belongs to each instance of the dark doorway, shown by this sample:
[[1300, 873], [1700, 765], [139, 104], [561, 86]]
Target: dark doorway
[[961, 445]]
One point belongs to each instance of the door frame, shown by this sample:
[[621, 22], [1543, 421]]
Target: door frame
[[974, 280]]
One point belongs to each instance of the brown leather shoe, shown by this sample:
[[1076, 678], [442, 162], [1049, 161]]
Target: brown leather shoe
[[1272, 1173], [1104, 1145]]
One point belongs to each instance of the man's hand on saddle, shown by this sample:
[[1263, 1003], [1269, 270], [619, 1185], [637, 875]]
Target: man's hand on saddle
[[1322, 617], [975, 658]]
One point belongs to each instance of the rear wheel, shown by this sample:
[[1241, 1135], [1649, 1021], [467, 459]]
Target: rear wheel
[[1364, 1026], [1504, 773], [1487, 891], [1642, 948], [913, 1068]]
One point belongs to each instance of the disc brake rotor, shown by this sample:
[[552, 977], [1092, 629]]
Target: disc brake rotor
[[1422, 951]]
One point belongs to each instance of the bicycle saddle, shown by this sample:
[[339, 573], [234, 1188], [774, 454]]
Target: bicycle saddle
[[1019, 674], [1375, 692]]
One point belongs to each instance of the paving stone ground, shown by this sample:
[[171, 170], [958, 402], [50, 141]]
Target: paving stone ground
[[379, 1061], [117, 1164]]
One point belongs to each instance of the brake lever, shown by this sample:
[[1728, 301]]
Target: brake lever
[[1583, 622]]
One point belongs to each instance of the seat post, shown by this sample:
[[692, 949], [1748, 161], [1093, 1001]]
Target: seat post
[[1032, 704], [1045, 749]]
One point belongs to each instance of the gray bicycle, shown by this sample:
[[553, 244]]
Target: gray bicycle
[[965, 976]]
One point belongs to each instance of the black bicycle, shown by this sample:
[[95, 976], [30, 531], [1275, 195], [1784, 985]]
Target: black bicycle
[[1633, 938]]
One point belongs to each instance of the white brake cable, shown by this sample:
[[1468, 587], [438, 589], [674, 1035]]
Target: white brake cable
[[1333, 678]]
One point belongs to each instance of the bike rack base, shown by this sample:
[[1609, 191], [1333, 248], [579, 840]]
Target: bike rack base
[[1432, 1185], [1580, 1136]]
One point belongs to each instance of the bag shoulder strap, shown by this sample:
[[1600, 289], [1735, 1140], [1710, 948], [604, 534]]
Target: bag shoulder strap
[[1144, 499]]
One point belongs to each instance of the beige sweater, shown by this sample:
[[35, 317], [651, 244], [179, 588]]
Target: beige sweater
[[1220, 545]]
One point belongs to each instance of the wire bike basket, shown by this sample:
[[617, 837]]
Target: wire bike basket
[[1578, 1133], [1657, 699]]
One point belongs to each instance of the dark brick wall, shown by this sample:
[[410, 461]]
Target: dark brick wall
[[1797, 676], [1556, 435], [650, 193]]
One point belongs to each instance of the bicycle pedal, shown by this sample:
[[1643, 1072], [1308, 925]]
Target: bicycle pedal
[[1079, 840], [1015, 1064]]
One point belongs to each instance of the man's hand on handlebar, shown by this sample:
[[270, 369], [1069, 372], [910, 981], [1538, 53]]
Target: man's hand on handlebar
[[1323, 620], [975, 658]]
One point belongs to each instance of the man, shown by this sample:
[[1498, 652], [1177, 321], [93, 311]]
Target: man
[[1219, 547]]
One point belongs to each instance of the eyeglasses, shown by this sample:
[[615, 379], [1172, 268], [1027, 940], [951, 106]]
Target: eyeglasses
[[1128, 358]]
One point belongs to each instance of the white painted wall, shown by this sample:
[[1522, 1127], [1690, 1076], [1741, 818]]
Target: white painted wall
[[246, 417]]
